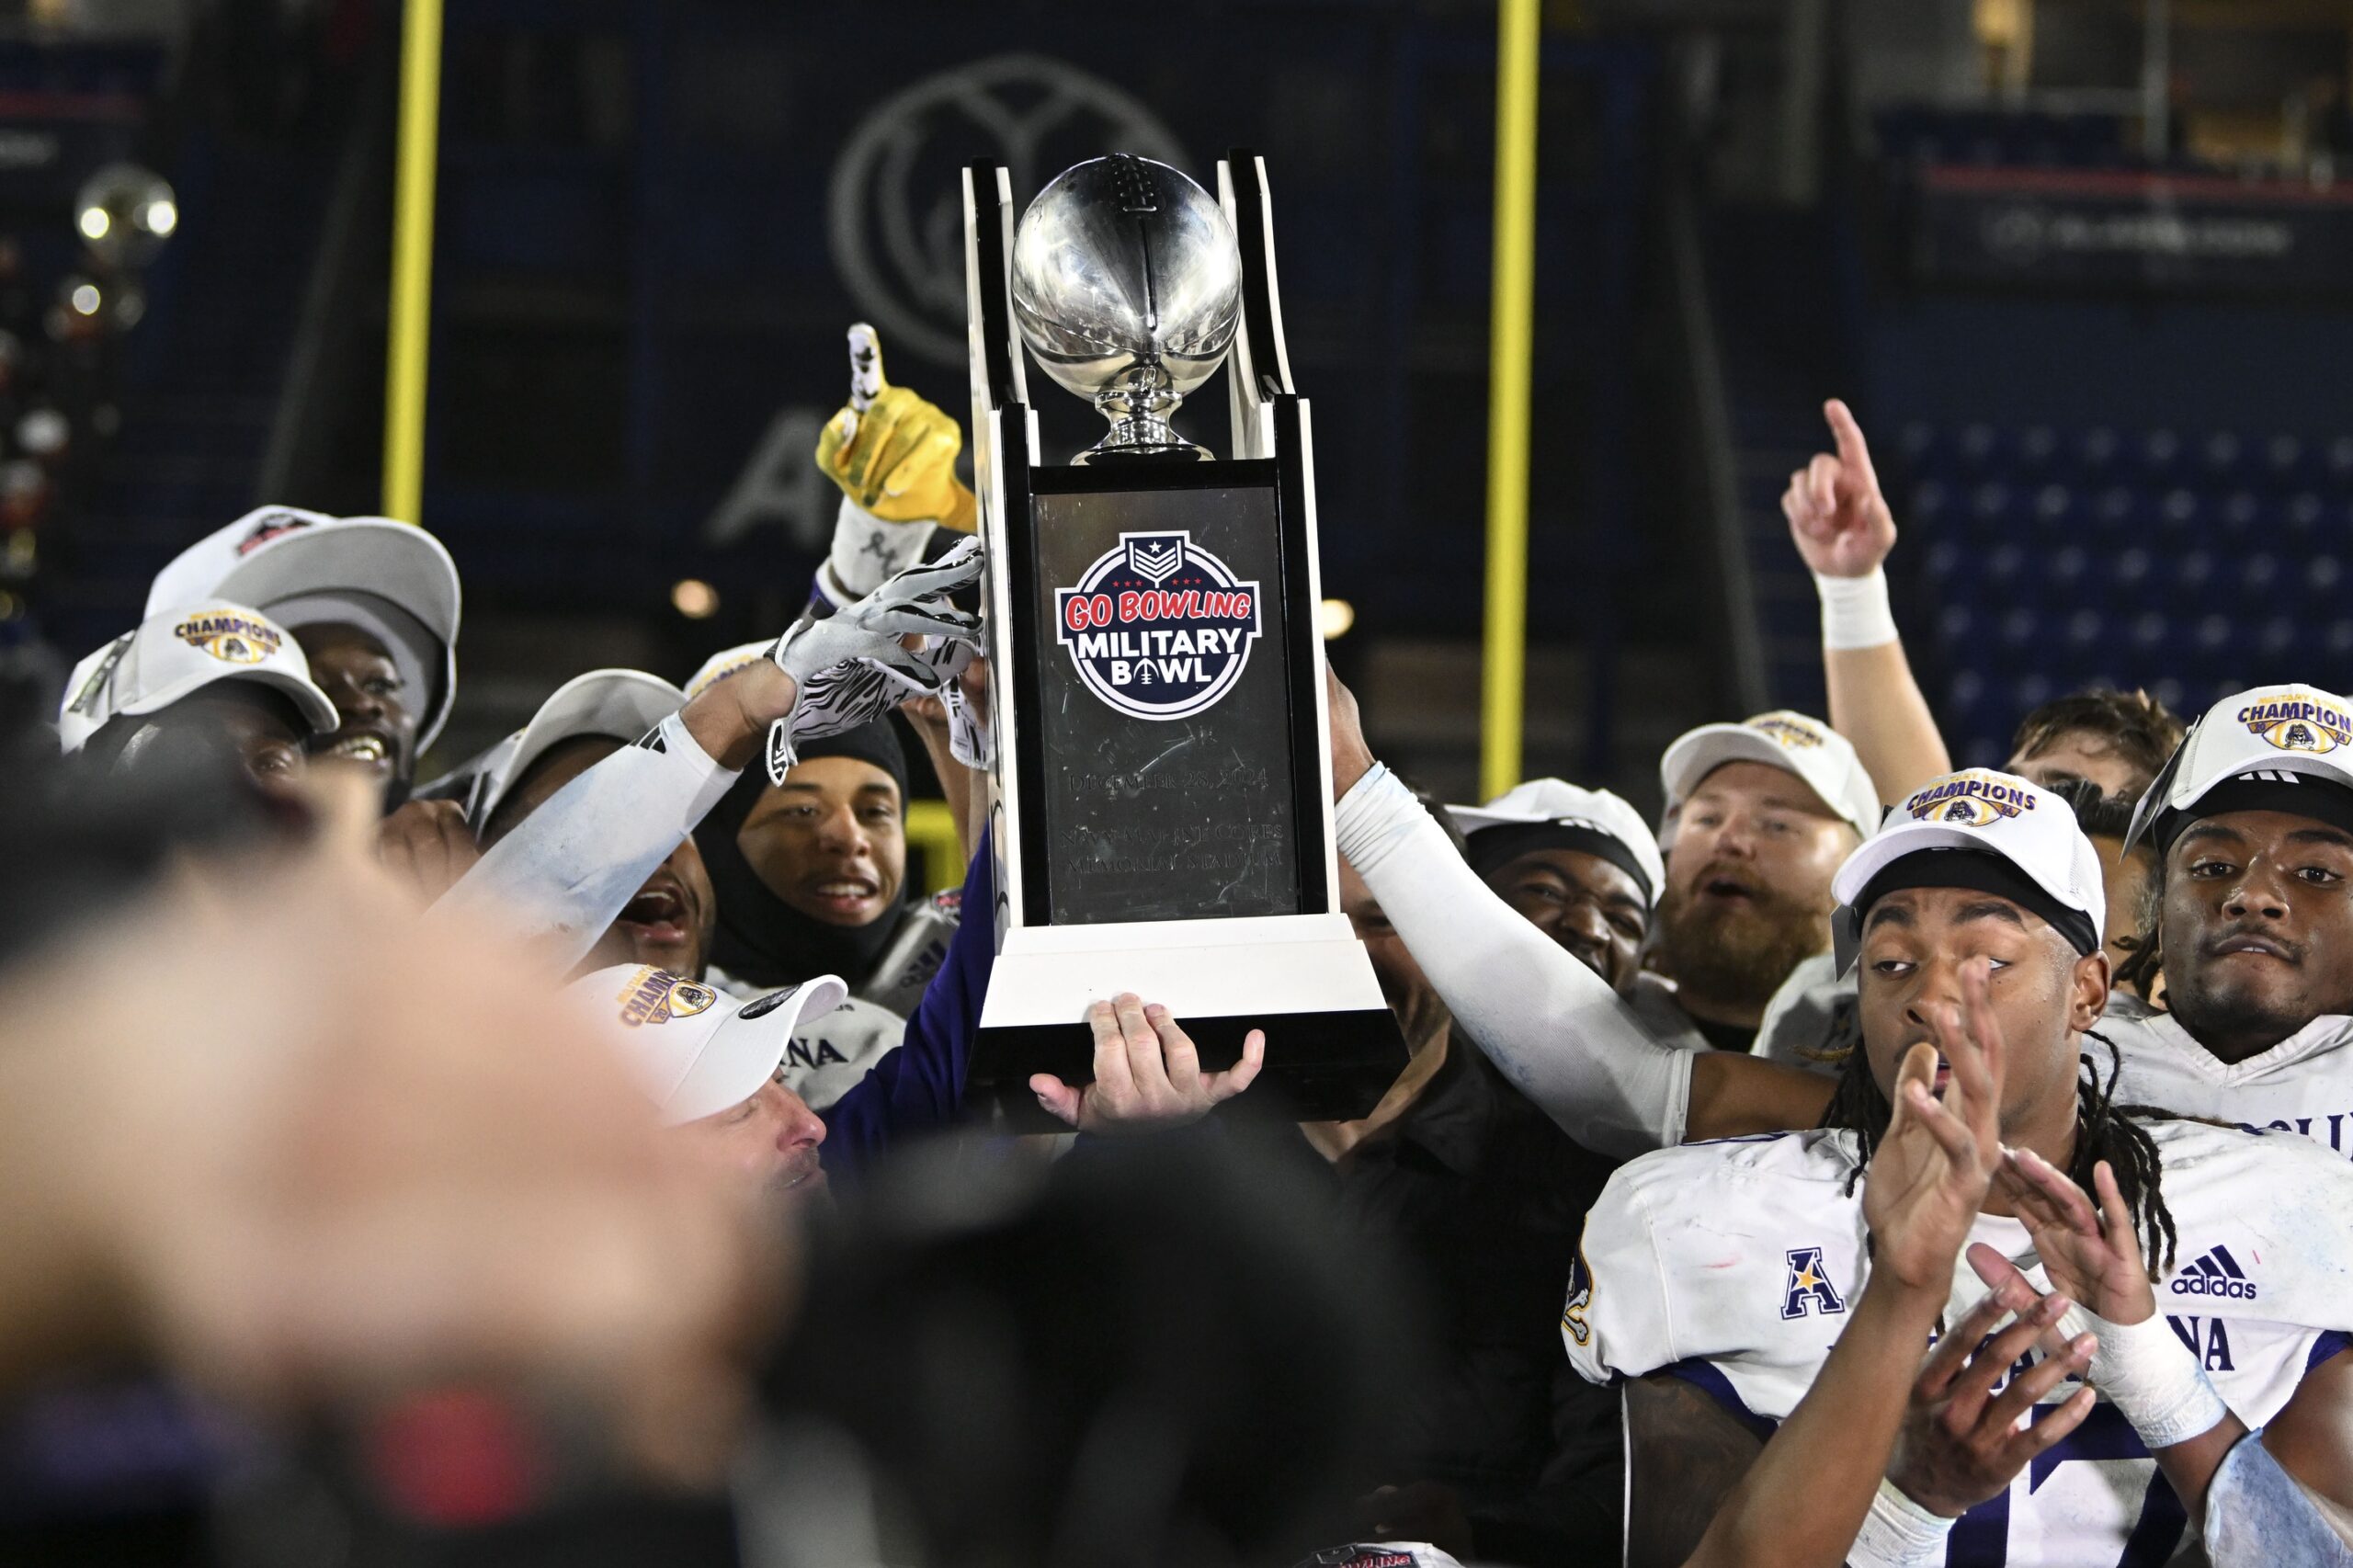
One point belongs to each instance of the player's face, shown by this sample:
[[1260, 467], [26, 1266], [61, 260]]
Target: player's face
[[668, 924], [1748, 881], [768, 1143], [254, 723], [1403, 987], [2257, 925], [2127, 878], [2073, 754], [1583, 902], [1917, 942], [830, 840], [380, 714]]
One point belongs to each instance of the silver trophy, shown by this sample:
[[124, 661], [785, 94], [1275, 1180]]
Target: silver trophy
[[1127, 285]]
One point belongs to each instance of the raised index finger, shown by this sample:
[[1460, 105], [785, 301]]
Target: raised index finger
[[865, 381], [1853, 450]]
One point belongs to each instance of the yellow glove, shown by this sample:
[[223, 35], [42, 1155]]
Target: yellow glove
[[892, 453]]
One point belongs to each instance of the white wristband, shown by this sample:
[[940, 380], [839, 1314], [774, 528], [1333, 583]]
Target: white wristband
[[2149, 1375], [1855, 611], [1899, 1533], [867, 550]]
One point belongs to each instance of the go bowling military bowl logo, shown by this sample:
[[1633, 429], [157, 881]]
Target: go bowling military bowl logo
[[1159, 628]]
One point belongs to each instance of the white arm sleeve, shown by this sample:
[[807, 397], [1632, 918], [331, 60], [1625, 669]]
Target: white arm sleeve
[[571, 866], [1554, 1027], [2258, 1514]]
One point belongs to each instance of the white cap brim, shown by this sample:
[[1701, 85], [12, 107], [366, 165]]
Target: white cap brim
[[1698, 753], [393, 561], [318, 711]]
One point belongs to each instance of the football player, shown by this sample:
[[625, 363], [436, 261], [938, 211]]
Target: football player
[[1759, 1244]]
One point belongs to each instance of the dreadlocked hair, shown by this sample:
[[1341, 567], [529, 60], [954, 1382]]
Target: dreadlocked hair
[[2104, 1130]]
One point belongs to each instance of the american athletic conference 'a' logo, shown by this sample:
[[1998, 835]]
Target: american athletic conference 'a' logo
[[1158, 628]]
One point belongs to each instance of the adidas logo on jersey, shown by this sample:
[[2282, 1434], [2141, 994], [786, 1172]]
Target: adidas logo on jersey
[[2214, 1273]]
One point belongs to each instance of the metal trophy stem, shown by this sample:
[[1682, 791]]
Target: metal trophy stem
[[1139, 403]]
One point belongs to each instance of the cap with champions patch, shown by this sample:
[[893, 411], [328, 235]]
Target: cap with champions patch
[[2274, 748], [696, 1049], [1549, 814], [174, 655], [620, 704], [1994, 831], [1818, 755], [389, 578]]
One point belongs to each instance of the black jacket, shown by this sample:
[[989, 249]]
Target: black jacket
[[1482, 1200]]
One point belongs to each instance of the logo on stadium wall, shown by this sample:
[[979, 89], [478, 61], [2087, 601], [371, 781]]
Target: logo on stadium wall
[[1159, 628], [231, 639], [895, 207], [2298, 723], [1809, 1289], [656, 996], [1974, 799]]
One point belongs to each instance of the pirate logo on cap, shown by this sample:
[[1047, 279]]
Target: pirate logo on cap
[[231, 639], [1785, 730], [273, 525], [2297, 723], [1972, 799], [656, 996]]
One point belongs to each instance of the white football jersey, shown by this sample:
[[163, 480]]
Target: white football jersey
[[2302, 1084], [1734, 1263]]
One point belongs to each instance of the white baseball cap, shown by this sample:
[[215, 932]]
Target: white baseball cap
[[1592, 819], [696, 1049], [622, 704], [1818, 755], [178, 654], [2039, 856], [391, 578], [2260, 750]]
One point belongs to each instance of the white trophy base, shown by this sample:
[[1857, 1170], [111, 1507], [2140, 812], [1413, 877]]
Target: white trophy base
[[1333, 1047]]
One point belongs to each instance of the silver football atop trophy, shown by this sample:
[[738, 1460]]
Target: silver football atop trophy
[[1127, 284]]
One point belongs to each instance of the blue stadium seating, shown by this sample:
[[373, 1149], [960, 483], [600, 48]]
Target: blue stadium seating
[[2189, 563]]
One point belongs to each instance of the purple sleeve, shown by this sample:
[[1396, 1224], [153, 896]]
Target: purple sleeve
[[918, 1086]]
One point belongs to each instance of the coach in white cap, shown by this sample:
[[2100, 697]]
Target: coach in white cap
[[710, 1064], [1758, 815], [1580, 865], [220, 671], [374, 603]]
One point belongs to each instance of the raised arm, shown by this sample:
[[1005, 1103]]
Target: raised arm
[[571, 866], [1549, 1024], [1842, 529]]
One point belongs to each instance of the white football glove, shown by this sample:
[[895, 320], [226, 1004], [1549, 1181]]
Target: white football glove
[[854, 667]]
